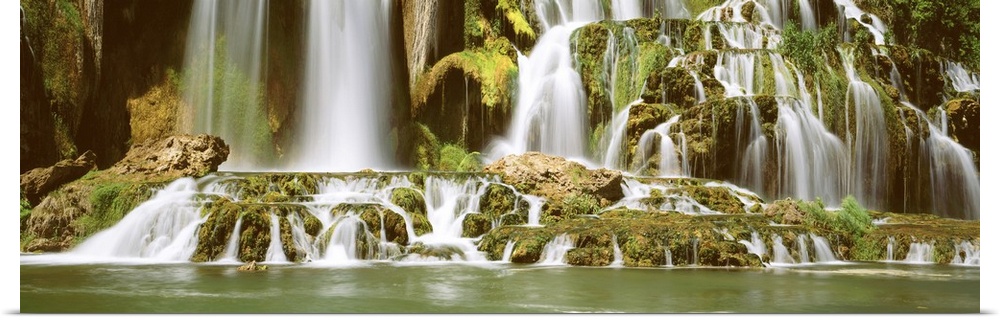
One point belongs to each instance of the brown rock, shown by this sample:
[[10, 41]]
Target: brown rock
[[179, 155], [40, 181], [555, 177]]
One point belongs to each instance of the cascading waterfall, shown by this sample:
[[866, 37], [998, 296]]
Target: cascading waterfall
[[670, 165], [554, 252], [961, 80], [618, 260], [636, 192], [920, 252], [342, 125], [224, 73], [966, 254], [756, 246], [822, 250], [274, 251], [162, 228], [781, 255], [890, 247], [233, 246], [508, 250], [551, 102], [849, 10], [867, 141], [669, 257], [803, 248]]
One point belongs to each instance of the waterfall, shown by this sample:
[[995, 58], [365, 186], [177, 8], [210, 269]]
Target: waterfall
[[617, 262], [756, 246], [343, 245], [508, 250], [890, 247], [274, 251], [961, 80], [669, 257], [807, 150], [162, 228], [669, 165], [781, 255], [233, 246], [554, 252], [300, 238], [920, 252], [966, 254], [849, 10], [822, 249], [223, 65], [637, 192], [806, 15], [803, 249], [868, 140], [345, 102]]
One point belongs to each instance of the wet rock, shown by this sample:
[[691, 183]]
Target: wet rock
[[251, 266], [555, 177], [176, 156], [40, 181]]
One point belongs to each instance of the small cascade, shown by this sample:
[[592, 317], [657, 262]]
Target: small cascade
[[233, 246], [781, 255], [849, 10], [803, 248], [637, 195], [274, 251], [162, 228], [806, 15], [966, 254], [448, 202], [756, 246], [508, 250], [920, 252], [224, 71], [747, 197], [694, 250], [614, 158], [669, 257], [890, 252], [300, 238], [735, 70], [617, 262], [822, 250], [755, 154], [961, 80], [534, 209], [554, 252], [743, 35], [732, 11], [343, 245], [669, 165]]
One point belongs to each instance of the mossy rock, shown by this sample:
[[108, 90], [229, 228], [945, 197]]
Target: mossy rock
[[785, 211]]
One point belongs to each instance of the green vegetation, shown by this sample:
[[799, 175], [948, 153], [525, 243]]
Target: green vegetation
[[455, 158], [110, 202], [807, 48]]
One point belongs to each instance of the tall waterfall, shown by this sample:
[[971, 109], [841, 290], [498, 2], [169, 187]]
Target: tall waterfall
[[550, 115], [343, 122], [224, 78]]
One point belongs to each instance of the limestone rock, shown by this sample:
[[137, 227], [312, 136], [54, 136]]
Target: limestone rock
[[555, 177], [40, 181], [179, 155]]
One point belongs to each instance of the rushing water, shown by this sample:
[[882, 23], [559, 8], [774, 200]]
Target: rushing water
[[496, 288]]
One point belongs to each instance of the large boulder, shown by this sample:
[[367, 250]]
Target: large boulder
[[40, 181], [179, 155], [555, 178]]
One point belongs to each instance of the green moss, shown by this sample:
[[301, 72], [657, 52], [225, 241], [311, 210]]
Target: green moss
[[456, 158], [25, 210], [110, 203]]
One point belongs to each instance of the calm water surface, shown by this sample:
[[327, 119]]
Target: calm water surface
[[495, 288]]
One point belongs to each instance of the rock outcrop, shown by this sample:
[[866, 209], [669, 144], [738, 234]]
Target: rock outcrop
[[40, 181], [555, 178], [175, 156]]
